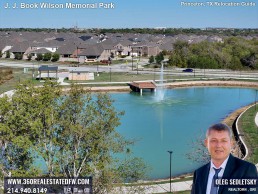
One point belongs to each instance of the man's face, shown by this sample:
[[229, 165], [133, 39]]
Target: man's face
[[219, 145]]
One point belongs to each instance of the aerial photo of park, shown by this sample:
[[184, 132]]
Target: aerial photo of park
[[121, 97]]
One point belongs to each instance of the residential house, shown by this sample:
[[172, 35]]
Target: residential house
[[42, 48], [19, 48], [215, 39], [136, 50], [150, 49], [123, 48], [2, 46], [68, 52], [97, 52], [167, 46]]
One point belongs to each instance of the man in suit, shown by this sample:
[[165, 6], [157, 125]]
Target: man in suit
[[219, 143]]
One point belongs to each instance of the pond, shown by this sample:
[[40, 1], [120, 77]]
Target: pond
[[172, 123]]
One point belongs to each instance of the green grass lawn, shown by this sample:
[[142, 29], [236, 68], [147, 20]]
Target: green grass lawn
[[125, 77], [248, 126]]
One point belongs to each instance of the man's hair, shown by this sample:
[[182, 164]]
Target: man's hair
[[219, 127]]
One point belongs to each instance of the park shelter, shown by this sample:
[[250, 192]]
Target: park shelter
[[140, 86], [49, 70]]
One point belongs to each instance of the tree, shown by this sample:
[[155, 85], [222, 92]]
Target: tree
[[159, 58], [74, 134], [235, 64], [151, 59], [15, 157], [55, 57], [39, 57], [176, 60], [18, 56], [112, 55], [29, 57], [47, 56], [89, 122], [8, 55], [249, 61], [180, 54], [131, 168], [31, 118], [198, 151]]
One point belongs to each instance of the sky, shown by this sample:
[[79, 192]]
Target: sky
[[130, 14]]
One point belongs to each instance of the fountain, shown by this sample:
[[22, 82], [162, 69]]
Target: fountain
[[160, 94], [160, 89]]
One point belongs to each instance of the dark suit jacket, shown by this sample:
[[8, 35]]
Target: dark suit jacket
[[235, 168]]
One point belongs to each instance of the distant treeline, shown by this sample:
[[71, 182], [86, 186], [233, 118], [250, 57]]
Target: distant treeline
[[234, 53], [175, 31], [165, 31]]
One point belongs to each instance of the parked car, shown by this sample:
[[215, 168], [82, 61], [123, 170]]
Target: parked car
[[105, 61], [188, 70]]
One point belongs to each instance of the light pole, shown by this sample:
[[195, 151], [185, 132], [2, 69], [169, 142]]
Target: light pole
[[154, 74], [33, 70], [77, 55], [109, 74], [137, 68], [77, 52], [132, 59], [170, 158]]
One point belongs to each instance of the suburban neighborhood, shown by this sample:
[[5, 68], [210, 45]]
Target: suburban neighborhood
[[88, 47]]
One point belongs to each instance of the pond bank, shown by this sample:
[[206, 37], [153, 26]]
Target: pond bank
[[179, 85]]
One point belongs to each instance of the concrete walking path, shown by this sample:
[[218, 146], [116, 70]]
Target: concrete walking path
[[160, 188], [256, 122], [163, 188]]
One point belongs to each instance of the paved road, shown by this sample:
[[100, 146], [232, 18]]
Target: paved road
[[127, 67]]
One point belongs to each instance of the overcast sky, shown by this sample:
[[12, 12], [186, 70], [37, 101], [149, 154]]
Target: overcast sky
[[130, 14]]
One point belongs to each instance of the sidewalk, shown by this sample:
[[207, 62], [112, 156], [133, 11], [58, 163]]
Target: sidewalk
[[256, 122], [162, 188], [178, 186]]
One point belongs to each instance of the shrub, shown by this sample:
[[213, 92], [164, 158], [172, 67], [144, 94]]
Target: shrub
[[55, 57], [39, 57]]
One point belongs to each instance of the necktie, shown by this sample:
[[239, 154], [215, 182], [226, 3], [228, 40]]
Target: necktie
[[214, 188]]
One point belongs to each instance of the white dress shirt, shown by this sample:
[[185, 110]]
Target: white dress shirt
[[212, 173]]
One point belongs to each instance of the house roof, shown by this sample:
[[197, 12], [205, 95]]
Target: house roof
[[126, 42], [68, 48], [2, 45], [20, 47], [108, 44], [168, 46], [48, 68], [143, 85], [85, 37], [93, 50]]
